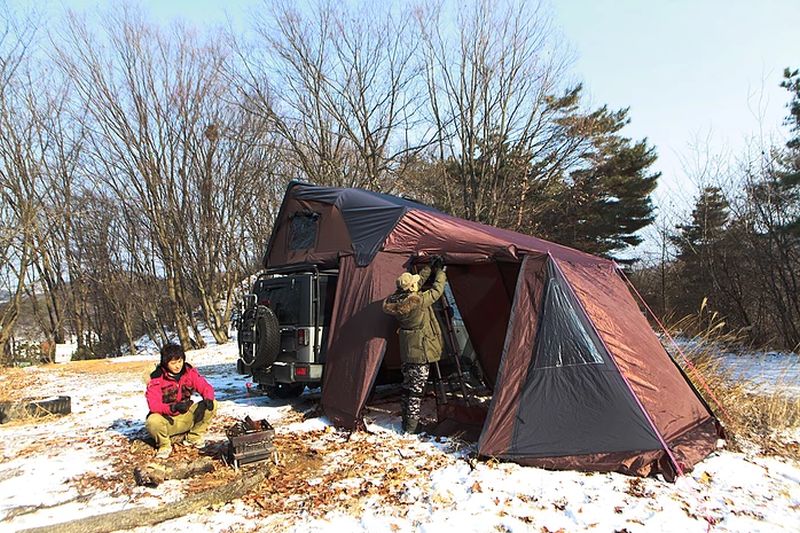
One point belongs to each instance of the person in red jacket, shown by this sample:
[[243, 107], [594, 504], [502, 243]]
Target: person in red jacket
[[169, 397]]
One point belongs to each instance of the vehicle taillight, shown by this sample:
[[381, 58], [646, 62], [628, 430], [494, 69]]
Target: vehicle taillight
[[301, 337], [301, 371]]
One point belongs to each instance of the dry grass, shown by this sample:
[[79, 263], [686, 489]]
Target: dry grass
[[769, 421], [101, 366], [17, 383], [14, 382]]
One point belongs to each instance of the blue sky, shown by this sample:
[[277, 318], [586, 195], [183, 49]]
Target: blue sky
[[689, 70], [703, 71]]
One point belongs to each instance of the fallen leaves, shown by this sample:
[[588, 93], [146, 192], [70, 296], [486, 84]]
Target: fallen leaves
[[637, 487], [317, 471], [323, 472], [560, 504], [15, 382], [705, 478], [442, 498], [134, 451]]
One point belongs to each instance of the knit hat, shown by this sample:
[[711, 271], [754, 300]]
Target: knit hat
[[408, 282]]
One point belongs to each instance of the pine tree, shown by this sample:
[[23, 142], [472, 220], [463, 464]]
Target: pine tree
[[789, 177], [581, 184], [602, 203], [700, 244]]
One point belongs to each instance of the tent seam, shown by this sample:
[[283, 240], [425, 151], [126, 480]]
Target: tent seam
[[506, 341]]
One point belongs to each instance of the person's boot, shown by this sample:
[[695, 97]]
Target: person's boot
[[164, 452], [410, 425]]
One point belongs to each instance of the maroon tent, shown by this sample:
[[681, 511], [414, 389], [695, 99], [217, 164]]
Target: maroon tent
[[579, 379]]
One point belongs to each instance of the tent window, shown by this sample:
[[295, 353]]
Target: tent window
[[563, 338], [303, 230]]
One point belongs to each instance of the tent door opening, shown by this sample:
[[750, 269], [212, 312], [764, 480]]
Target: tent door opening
[[462, 394]]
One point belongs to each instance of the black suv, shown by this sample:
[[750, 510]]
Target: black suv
[[283, 328]]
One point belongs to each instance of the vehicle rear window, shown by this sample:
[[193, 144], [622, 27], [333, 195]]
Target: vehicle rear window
[[285, 296], [291, 298], [327, 297]]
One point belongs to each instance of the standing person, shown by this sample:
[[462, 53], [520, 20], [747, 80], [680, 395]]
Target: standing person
[[169, 397], [421, 339]]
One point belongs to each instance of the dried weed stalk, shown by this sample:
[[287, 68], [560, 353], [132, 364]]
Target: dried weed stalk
[[768, 420]]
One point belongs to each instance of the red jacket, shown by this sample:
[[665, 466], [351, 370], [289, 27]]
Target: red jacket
[[163, 390]]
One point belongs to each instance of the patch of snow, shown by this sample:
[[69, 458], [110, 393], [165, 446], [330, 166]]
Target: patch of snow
[[764, 371]]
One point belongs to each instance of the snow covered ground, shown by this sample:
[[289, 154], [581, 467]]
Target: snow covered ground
[[766, 370], [762, 371], [64, 468]]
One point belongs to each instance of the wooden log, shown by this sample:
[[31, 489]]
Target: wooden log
[[147, 516], [155, 473], [28, 509]]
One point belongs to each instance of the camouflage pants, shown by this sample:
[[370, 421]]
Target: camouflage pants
[[414, 378]]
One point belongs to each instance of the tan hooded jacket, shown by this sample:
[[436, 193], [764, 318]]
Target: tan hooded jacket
[[420, 334]]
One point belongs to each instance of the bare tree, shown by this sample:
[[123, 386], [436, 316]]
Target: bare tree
[[20, 165], [143, 91], [733, 253], [766, 210], [491, 93], [231, 167], [341, 87], [184, 162], [57, 275]]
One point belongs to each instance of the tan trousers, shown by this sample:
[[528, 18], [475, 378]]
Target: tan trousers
[[160, 428]]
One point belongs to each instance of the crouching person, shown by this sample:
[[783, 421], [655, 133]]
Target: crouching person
[[169, 398]]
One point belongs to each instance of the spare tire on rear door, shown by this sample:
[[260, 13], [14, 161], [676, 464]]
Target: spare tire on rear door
[[268, 337]]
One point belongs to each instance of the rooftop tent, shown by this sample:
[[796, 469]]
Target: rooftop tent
[[579, 380]]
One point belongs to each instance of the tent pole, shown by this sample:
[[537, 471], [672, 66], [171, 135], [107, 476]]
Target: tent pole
[[441, 396], [452, 341], [448, 319], [672, 458]]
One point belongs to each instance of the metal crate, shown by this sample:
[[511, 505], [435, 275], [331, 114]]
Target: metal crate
[[250, 441]]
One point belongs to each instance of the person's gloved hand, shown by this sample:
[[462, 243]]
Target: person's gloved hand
[[181, 407], [209, 404], [437, 262]]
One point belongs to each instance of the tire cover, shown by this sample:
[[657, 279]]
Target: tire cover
[[268, 337]]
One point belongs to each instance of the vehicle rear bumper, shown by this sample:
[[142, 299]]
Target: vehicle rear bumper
[[289, 372]]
